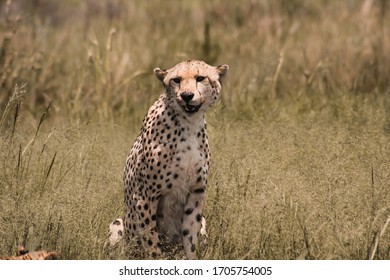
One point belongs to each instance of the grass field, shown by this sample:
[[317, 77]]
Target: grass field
[[300, 139]]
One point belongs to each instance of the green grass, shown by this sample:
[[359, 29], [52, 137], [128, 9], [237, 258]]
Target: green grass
[[299, 140]]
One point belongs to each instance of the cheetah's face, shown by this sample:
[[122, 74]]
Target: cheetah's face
[[194, 85]]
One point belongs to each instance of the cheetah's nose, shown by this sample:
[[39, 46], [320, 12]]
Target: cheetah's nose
[[187, 96]]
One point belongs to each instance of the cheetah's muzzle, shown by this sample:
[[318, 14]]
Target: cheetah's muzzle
[[185, 99]]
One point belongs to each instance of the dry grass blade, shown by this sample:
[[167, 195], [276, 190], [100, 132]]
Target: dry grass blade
[[377, 237], [43, 117]]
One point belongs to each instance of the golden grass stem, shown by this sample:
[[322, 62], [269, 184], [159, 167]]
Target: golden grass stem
[[277, 74], [16, 98]]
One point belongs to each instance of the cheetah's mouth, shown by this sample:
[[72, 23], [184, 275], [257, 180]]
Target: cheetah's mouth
[[190, 109]]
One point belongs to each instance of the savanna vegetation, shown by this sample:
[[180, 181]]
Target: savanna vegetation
[[300, 139]]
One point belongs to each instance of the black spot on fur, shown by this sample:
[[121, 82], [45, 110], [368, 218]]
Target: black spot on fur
[[200, 190], [185, 232], [116, 222]]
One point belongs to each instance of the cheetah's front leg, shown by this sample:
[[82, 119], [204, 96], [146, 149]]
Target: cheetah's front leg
[[147, 225], [192, 222]]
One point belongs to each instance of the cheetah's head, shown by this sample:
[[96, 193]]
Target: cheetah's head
[[193, 84]]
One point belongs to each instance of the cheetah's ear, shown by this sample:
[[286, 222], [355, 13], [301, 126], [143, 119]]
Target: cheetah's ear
[[222, 71], [160, 74]]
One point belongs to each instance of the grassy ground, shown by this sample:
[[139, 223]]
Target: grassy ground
[[300, 139]]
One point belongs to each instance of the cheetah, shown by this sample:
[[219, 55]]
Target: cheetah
[[23, 254], [166, 172]]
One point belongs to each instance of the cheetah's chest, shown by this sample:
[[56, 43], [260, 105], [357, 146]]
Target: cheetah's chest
[[191, 160], [189, 164]]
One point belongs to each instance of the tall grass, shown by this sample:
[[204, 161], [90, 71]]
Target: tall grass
[[300, 138]]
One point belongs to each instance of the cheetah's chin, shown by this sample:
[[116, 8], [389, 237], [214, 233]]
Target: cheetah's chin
[[191, 109]]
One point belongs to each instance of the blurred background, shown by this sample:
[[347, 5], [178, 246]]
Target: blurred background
[[100, 53]]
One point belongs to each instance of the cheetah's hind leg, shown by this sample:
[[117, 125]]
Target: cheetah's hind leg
[[120, 246], [113, 246]]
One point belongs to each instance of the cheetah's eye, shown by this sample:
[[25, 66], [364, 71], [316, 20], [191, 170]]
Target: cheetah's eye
[[176, 80], [200, 78]]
